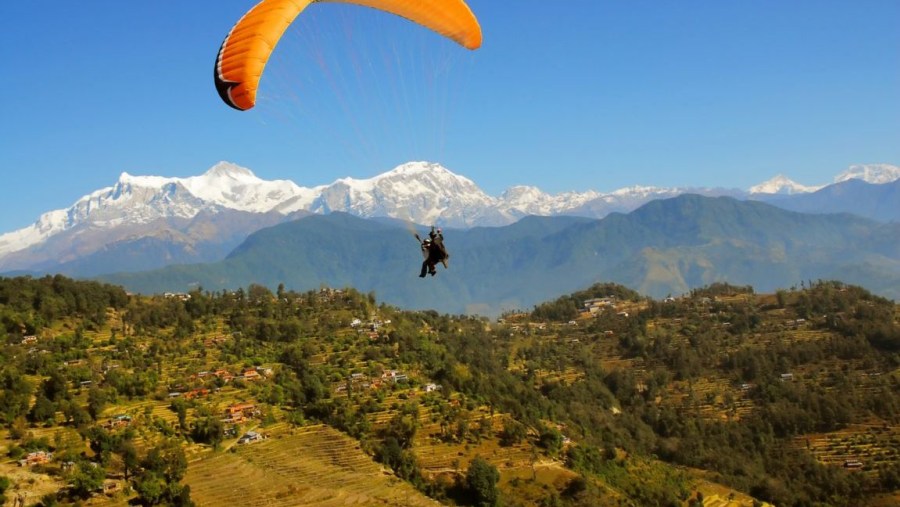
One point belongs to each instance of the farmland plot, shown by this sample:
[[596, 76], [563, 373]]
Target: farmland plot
[[869, 445], [315, 465]]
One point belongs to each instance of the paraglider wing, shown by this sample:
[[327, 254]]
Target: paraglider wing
[[246, 50], [451, 18]]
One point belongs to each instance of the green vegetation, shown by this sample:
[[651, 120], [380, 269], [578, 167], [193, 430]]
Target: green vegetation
[[791, 398]]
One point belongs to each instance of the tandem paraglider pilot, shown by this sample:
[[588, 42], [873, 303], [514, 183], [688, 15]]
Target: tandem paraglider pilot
[[434, 252]]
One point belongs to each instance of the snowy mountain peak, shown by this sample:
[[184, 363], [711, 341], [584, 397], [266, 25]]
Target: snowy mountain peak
[[422, 192], [639, 190], [431, 171], [521, 193], [227, 170], [870, 173], [411, 168], [126, 180], [236, 187], [781, 184], [524, 200]]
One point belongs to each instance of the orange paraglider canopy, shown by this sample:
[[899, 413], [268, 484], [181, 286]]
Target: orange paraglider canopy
[[247, 48]]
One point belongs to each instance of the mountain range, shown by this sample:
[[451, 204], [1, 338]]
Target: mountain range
[[146, 222], [667, 246]]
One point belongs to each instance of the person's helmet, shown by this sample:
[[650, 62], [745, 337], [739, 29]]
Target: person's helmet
[[439, 230], [427, 241]]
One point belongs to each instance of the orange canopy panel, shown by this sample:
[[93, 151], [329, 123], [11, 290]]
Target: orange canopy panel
[[247, 48]]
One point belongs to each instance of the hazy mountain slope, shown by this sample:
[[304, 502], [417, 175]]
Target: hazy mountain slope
[[752, 243], [665, 247], [876, 201], [87, 251]]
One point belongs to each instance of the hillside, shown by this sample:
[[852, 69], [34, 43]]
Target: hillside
[[599, 397], [875, 201], [665, 247]]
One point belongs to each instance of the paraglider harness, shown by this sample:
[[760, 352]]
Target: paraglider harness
[[433, 251]]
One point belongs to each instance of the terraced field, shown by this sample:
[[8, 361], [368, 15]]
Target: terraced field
[[314, 465], [709, 399], [871, 445], [438, 457]]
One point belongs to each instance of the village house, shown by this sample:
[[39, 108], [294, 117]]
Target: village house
[[225, 375], [250, 436], [432, 387], [394, 376], [29, 339], [177, 295], [196, 393], [36, 458], [240, 412], [251, 375], [118, 421], [594, 306]]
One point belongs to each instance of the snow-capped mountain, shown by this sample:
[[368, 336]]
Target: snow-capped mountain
[[238, 188], [135, 200], [523, 200], [870, 173], [420, 192], [782, 185], [228, 201], [428, 193]]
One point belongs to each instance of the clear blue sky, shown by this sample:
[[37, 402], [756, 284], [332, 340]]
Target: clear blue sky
[[577, 95]]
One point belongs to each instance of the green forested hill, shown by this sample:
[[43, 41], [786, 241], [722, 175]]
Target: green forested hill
[[666, 247], [601, 397]]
